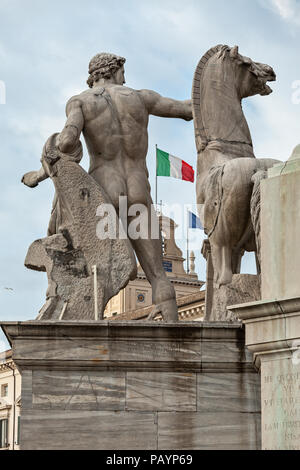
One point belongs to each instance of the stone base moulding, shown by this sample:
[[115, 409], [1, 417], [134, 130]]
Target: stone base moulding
[[129, 385], [273, 336]]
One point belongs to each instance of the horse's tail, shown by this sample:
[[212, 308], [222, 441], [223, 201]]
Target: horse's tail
[[255, 208]]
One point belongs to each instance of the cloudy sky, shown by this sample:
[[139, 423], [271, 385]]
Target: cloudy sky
[[45, 47]]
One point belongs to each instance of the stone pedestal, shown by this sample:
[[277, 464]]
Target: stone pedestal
[[273, 325], [113, 386], [273, 336]]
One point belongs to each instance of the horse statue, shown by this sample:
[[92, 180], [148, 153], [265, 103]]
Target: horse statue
[[227, 170]]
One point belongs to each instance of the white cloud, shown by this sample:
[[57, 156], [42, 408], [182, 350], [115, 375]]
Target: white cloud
[[289, 10]]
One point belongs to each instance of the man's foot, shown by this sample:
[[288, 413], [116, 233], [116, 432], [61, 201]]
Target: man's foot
[[164, 300], [167, 309]]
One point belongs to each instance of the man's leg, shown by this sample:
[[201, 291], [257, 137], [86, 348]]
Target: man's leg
[[149, 253], [149, 250]]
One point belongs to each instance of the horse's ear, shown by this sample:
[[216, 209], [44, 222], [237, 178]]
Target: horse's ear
[[234, 52]]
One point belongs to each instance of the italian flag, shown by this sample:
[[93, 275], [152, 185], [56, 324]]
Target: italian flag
[[168, 165]]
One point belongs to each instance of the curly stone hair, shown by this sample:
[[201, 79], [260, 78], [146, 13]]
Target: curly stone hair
[[103, 66]]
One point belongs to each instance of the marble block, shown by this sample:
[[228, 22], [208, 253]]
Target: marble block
[[280, 209], [131, 385]]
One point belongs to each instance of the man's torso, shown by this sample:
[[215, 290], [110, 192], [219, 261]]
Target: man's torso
[[115, 125]]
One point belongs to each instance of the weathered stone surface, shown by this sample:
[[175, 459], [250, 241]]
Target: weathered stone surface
[[66, 349], [208, 431], [71, 390], [84, 388], [130, 344], [27, 389], [273, 324], [228, 392], [295, 154], [280, 216], [243, 288], [161, 391], [226, 162], [88, 430], [170, 351], [273, 335], [217, 351], [281, 403]]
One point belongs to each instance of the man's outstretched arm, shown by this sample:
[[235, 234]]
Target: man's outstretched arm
[[67, 140], [166, 107]]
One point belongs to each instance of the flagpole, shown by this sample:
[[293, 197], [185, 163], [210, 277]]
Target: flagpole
[[156, 177], [187, 246]]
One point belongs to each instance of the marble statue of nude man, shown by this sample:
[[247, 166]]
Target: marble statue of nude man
[[114, 121]]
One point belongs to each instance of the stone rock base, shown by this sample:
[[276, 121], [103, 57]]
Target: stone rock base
[[243, 289], [114, 386]]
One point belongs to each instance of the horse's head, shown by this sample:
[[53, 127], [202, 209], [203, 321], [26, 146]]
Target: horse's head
[[252, 77]]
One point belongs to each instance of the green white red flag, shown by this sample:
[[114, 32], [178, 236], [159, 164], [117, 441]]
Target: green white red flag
[[168, 165]]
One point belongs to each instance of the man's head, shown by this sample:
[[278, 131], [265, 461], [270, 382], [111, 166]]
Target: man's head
[[106, 66]]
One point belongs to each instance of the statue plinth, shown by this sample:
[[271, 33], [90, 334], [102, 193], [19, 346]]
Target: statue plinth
[[273, 325], [273, 336], [130, 385]]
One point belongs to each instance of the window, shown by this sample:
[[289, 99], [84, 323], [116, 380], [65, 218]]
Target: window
[[4, 390], [3, 433]]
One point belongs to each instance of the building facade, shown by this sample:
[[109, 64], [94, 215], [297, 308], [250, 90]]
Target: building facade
[[138, 293], [10, 402]]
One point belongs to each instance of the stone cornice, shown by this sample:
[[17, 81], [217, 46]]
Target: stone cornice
[[265, 308], [181, 281], [272, 328], [5, 407], [135, 346], [6, 366]]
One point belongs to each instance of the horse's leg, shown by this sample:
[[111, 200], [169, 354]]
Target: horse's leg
[[237, 260], [226, 273], [221, 257]]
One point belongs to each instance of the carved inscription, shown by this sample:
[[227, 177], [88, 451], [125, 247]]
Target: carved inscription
[[281, 408], [143, 350], [154, 348]]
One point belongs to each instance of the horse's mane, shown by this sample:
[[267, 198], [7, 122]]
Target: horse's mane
[[200, 134]]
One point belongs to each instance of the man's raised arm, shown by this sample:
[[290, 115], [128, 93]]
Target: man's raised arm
[[69, 137], [67, 141], [166, 107]]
